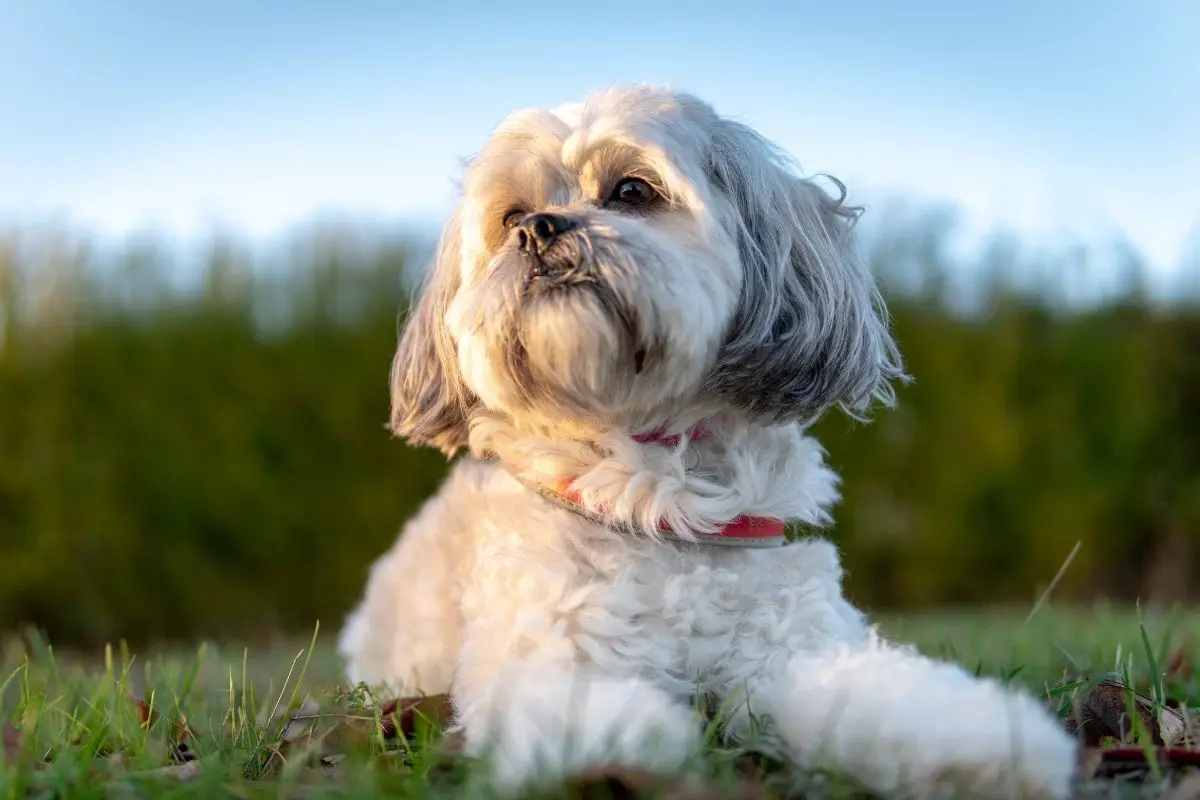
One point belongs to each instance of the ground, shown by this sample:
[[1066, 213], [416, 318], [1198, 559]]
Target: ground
[[277, 719]]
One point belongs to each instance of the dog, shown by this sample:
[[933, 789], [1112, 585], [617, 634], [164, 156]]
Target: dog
[[633, 317]]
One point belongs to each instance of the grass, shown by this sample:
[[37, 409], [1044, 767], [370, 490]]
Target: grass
[[82, 735]]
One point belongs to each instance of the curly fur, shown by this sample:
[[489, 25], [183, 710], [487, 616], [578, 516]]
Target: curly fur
[[735, 299]]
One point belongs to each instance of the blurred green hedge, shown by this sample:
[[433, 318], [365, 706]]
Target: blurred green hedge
[[211, 459]]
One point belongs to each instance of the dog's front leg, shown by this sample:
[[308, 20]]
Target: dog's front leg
[[903, 724], [542, 718]]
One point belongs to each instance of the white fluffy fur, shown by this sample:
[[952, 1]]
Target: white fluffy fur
[[567, 644]]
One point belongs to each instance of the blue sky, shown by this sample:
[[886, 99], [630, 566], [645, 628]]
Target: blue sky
[[1052, 117]]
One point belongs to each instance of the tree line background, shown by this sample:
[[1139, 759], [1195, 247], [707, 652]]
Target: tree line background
[[200, 450]]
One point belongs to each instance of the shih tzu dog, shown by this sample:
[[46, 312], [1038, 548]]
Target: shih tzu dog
[[633, 316]]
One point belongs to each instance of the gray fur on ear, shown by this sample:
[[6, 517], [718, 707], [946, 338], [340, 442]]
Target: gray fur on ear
[[811, 330], [430, 402]]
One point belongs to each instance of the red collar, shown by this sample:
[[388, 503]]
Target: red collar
[[744, 531], [659, 435]]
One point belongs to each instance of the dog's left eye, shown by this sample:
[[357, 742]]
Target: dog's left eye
[[633, 192]]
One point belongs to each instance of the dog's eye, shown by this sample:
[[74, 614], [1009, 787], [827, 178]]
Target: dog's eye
[[513, 218], [633, 192]]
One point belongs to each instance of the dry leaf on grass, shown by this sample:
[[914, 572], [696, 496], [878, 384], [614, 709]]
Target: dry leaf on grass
[[396, 717], [401, 716], [1180, 727], [181, 750], [1101, 719], [322, 740], [1104, 713]]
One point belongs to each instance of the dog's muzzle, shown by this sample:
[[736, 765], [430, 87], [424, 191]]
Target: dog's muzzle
[[541, 238]]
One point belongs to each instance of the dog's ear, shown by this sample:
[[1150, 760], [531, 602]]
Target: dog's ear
[[430, 402], [811, 330]]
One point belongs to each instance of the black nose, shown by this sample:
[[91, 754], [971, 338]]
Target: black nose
[[538, 232]]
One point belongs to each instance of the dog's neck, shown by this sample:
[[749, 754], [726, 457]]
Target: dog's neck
[[698, 478]]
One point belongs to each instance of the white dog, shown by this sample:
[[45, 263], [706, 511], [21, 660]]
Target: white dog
[[633, 316]]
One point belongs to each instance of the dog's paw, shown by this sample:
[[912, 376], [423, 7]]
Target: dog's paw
[[1022, 752], [537, 731], [906, 725]]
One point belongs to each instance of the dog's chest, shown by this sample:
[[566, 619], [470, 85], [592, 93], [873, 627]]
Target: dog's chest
[[706, 616], [687, 617]]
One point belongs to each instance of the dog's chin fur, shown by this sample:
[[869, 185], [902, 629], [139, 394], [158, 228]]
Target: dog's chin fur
[[572, 641]]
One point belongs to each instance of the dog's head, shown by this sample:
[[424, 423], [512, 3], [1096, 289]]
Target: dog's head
[[631, 258]]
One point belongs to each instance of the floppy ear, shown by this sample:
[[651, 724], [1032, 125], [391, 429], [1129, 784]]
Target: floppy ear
[[811, 330], [430, 402]]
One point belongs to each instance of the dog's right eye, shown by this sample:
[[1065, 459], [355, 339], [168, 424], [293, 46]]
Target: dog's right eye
[[513, 218], [633, 192]]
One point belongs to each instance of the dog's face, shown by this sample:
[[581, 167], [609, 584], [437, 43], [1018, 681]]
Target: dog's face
[[632, 257]]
